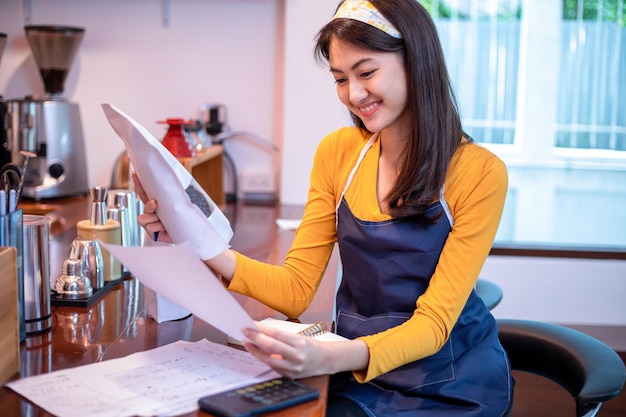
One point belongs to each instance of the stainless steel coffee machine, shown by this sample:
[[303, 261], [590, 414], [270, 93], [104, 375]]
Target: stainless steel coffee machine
[[50, 126]]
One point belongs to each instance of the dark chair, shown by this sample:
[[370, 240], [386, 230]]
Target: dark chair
[[490, 292], [587, 368]]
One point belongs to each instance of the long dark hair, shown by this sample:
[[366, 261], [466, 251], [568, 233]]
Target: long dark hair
[[436, 129]]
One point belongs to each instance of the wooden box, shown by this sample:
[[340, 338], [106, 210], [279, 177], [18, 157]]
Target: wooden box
[[206, 167], [9, 326]]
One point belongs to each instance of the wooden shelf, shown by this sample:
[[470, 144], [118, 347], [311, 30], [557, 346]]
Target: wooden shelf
[[207, 168]]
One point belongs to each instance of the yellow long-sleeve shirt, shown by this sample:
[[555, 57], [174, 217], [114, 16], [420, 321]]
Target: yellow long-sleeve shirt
[[475, 190]]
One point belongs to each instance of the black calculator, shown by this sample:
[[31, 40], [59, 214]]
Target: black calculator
[[251, 400]]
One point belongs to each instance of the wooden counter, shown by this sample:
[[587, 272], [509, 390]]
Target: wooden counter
[[117, 324]]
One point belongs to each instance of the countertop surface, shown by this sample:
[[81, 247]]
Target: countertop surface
[[117, 324]]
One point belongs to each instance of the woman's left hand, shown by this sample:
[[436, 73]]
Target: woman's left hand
[[149, 220], [297, 356]]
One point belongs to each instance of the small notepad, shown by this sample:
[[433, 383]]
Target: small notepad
[[319, 330]]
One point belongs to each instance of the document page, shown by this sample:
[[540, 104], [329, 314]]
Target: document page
[[164, 381], [188, 213], [178, 274]]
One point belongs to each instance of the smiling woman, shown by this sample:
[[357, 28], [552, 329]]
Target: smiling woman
[[413, 205]]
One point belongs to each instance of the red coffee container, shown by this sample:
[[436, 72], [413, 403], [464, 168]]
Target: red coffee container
[[175, 140]]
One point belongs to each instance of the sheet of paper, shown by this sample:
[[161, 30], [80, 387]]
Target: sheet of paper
[[199, 222], [164, 381], [178, 274], [288, 224]]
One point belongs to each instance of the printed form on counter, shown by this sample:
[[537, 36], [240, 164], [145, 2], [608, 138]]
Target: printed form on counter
[[163, 381]]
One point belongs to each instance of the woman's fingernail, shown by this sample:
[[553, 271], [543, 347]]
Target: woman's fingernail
[[156, 236]]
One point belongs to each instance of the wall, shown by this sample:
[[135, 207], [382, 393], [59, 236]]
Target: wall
[[210, 51], [311, 107], [566, 291]]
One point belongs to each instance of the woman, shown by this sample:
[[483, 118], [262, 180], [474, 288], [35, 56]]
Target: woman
[[414, 206]]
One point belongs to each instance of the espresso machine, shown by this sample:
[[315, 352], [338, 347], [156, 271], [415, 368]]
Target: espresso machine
[[49, 127], [5, 155]]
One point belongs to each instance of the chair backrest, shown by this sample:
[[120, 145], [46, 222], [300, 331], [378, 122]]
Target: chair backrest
[[489, 292], [590, 370]]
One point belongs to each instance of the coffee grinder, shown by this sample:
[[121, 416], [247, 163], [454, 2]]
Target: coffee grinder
[[5, 155], [50, 126]]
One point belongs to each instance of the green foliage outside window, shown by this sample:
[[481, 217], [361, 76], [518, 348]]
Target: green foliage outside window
[[604, 10], [442, 9]]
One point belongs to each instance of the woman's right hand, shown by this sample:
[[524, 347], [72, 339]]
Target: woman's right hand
[[298, 356], [149, 220]]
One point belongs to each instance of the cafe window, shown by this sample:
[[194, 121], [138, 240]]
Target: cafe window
[[481, 43], [540, 83], [591, 112]]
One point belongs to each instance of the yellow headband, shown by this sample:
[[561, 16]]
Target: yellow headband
[[364, 11]]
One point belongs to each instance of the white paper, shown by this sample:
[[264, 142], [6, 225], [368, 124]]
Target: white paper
[[288, 224], [159, 307], [165, 179], [164, 381], [177, 273]]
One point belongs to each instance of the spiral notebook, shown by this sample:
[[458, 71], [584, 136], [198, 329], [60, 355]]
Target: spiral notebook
[[317, 330]]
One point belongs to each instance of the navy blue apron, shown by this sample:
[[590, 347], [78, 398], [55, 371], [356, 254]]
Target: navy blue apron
[[386, 267]]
